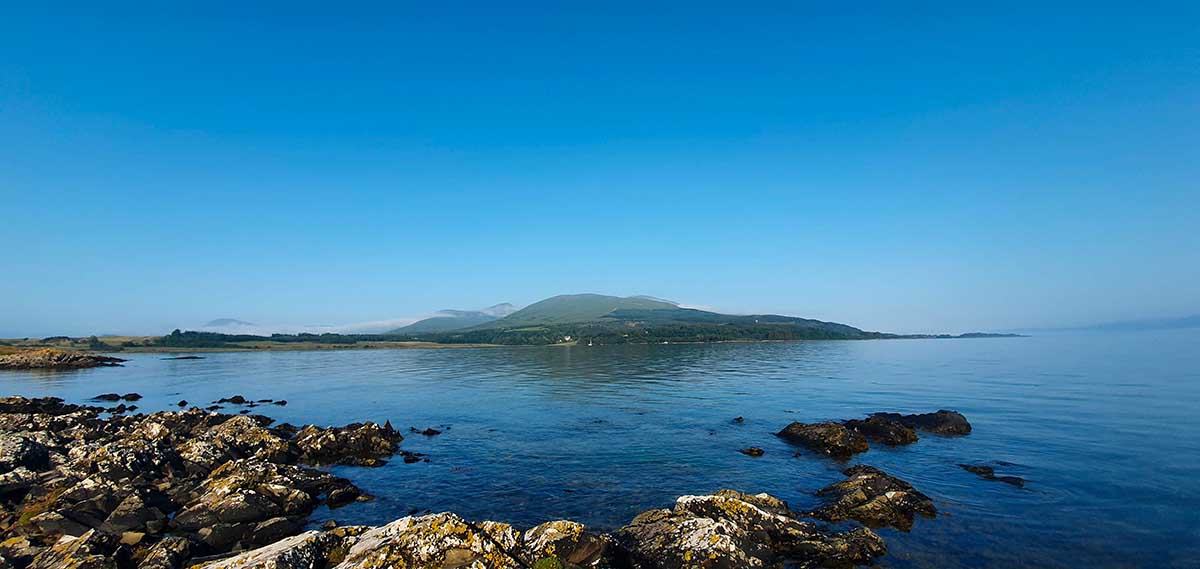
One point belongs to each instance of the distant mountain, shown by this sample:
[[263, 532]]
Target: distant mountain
[[575, 308], [224, 322], [1138, 325], [450, 320]]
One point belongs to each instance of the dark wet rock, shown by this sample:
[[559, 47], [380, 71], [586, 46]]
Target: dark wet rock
[[55, 359], [739, 420], [182, 403], [107, 397], [236, 400], [185, 358], [281, 402], [874, 498], [131, 396], [942, 422], [730, 529], [265, 401], [362, 444], [40, 406], [214, 408], [429, 432], [883, 430], [412, 457], [136, 512], [831, 438], [988, 473], [752, 451], [329, 524]]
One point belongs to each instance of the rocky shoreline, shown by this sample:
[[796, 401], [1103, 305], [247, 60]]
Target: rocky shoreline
[[48, 358], [97, 488]]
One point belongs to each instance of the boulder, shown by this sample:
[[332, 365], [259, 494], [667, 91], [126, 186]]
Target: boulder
[[55, 359], [20, 451], [92, 550], [435, 540], [874, 498], [831, 438], [359, 444], [730, 530], [305, 551], [883, 430], [942, 422], [170, 553]]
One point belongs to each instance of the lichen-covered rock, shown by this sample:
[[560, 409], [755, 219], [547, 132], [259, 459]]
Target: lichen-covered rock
[[92, 550], [883, 430], [360, 444], [831, 438], [240, 497], [563, 544], [874, 498], [239, 436], [942, 422], [730, 530], [170, 553], [435, 540], [308, 550]]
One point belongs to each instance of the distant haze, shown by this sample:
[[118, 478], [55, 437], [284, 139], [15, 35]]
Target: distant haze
[[975, 167]]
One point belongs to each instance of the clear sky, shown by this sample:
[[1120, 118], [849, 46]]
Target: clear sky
[[898, 166]]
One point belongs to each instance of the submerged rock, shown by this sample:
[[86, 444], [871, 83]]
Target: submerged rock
[[874, 498], [989, 473], [831, 438], [55, 359], [942, 422], [752, 451], [883, 430]]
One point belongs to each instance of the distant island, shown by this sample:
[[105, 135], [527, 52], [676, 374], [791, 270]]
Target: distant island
[[574, 319]]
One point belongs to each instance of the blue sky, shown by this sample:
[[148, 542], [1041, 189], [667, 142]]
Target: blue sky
[[899, 167]]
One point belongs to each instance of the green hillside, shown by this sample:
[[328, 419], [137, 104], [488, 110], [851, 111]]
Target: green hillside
[[574, 308], [447, 321]]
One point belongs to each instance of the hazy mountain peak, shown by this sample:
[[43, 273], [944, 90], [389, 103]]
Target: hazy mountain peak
[[228, 322]]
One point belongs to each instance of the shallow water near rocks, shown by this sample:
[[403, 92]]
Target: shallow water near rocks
[[1102, 426]]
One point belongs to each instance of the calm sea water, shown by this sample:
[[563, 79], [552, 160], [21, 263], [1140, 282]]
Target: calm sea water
[[1105, 428]]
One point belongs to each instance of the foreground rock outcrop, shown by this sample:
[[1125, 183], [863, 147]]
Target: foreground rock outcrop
[[55, 359], [81, 489], [724, 530]]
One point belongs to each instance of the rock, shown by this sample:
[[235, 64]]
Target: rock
[[884, 430], [92, 550], [942, 422], [131, 396], [429, 432], [281, 402], [182, 403], [752, 451], [831, 438], [567, 543], [308, 550], [739, 420], [329, 524], [237, 437], [874, 498], [132, 537], [361, 444], [435, 540], [989, 473], [185, 358], [20, 451], [19, 550], [107, 397], [240, 495], [731, 530], [170, 553], [55, 359], [236, 400], [133, 513]]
